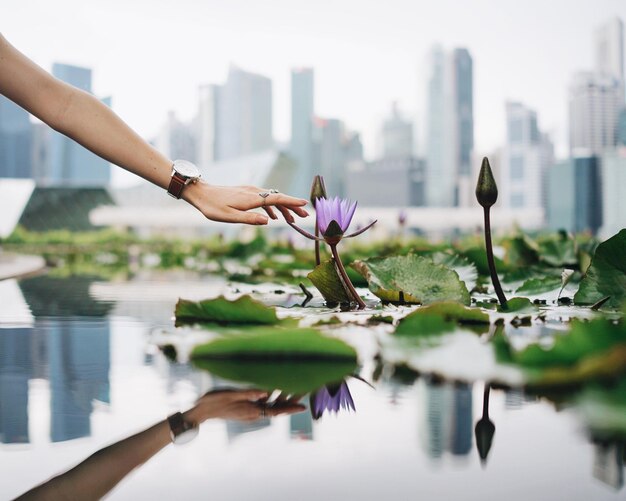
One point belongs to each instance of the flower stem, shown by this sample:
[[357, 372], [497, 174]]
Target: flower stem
[[344, 277], [490, 261], [317, 245]]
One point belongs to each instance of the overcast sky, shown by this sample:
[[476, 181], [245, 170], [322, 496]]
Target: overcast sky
[[151, 55]]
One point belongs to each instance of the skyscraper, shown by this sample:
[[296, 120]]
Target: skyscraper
[[595, 101], [450, 127], [574, 195], [397, 135], [70, 163], [526, 157], [302, 110], [206, 125], [244, 115], [15, 140]]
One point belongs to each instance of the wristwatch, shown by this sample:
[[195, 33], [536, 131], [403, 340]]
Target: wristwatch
[[183, 173], [181, 431]]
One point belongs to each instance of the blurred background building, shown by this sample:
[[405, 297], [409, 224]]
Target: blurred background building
[[233, 124]]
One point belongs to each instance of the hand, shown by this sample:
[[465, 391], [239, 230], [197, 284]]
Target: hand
[[230, 204], [241, 405]]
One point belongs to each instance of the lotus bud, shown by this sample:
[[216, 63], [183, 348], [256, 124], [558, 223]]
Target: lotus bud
[[486, 189], [318, 189]]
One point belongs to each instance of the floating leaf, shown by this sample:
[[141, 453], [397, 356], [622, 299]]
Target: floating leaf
[[421, 321], [478, 256], [220, 310], [519, 305], [290, 377], [412, 279], [424, 324], [558, 251], [455, 312], [539, 285], [465, 269], [606, 275], [267, 343], [328, 282]]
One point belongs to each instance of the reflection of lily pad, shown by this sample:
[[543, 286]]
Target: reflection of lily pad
[[266, 343], [288, 376], [243, 310], [606, 275], [328, 282], [418, 324], [590, 350], [412, 279]]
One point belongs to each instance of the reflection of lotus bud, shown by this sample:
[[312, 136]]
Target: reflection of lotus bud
[[485, 430], [318, 189], [486, 189]]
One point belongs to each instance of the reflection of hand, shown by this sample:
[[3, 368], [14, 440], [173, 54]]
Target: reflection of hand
[[241, 405], [230, 204]]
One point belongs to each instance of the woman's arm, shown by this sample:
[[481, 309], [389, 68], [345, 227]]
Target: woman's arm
[[82, 117]]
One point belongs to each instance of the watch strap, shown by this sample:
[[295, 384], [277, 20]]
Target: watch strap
[[178, 427], [177, 183]]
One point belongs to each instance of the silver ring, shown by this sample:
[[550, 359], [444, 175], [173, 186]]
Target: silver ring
[[274, 191], [264, 194]]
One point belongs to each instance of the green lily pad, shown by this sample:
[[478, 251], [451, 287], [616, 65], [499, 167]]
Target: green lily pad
[[291, 377], [465, 269], [606, 275], [419, 324], [558, 251], [220, 310], [412, 279], [422, 321], [519, 305], [326, 279], [478, 256], [539, 285], [268, 343]]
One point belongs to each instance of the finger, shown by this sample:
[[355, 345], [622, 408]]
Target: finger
[[280, 198], [239, 216], [286, 213], [270, 212]]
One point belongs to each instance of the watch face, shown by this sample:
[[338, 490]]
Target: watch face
[[186, 168]]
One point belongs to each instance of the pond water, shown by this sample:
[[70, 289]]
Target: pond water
[[80, 369]]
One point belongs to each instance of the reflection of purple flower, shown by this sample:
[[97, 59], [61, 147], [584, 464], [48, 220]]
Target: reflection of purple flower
[[334, 209], [332, 399]]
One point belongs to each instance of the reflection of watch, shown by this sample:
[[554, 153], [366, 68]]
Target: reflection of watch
[[183, 173], [181, 431]]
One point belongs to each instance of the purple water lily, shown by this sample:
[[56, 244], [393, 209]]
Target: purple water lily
[[333, 219], [331, 399], [334, 209]]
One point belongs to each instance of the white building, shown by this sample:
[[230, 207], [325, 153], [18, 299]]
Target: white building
[[595, 102], [206, 124], [526, 157], [244, 115], [397, 135]]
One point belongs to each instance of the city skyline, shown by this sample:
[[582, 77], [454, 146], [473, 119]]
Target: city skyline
[[362, 62]]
